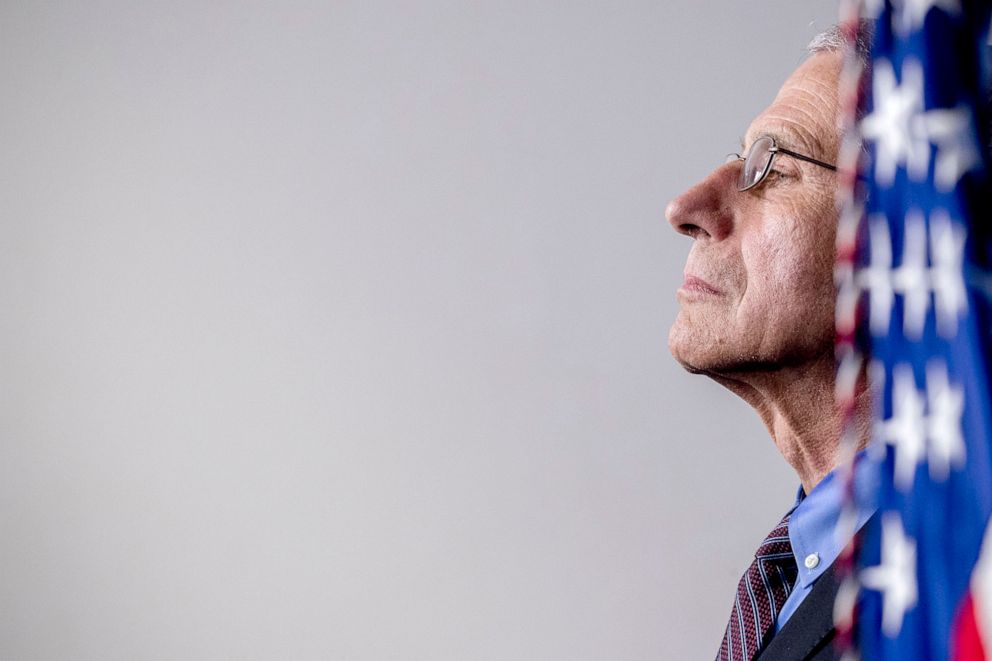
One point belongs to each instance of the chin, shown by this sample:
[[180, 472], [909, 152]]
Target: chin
[[689, 349], [702, 351]]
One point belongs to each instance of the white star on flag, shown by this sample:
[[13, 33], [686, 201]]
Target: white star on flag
[[895, 124], [947, 240], [946, 442], [877, 276], [905, 431], [896, 576], [910, 14], [950, 130], [912, 278]]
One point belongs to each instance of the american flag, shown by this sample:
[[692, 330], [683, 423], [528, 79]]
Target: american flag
[[920, 265]]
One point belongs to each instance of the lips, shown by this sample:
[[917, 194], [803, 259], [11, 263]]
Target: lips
[[696, 285]]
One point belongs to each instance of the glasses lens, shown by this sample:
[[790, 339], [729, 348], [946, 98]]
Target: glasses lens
[[756, 163]]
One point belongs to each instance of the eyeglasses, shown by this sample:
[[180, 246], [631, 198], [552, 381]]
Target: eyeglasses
[[758, 161]]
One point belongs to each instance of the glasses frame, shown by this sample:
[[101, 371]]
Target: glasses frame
[[773, 151]]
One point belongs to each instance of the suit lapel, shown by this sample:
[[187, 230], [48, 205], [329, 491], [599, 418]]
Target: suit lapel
[[809, 631]]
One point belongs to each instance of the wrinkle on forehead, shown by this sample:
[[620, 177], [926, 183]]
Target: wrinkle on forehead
[[804, 114]]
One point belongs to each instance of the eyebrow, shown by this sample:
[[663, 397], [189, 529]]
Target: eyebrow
[[790, 139]]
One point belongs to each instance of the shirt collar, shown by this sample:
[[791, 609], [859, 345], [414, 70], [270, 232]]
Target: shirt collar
[[813, 523]]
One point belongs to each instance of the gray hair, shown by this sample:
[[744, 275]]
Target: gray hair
[[832, 40]]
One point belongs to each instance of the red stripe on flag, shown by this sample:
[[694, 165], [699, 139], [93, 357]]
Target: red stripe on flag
[[967, 640]]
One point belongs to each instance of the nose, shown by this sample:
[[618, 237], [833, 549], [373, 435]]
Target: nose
[[706, 211]]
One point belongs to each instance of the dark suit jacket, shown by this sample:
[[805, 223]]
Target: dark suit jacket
[[809, 633]]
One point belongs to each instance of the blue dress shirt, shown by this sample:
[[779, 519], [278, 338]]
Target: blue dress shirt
[[812, 528]]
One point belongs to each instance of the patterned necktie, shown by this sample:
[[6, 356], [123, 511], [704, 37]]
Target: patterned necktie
[[763, 589]]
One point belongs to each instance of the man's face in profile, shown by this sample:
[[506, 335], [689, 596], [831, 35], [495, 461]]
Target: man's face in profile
[[758, 290]]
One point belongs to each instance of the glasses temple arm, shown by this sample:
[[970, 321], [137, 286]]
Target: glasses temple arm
[[808, 159]]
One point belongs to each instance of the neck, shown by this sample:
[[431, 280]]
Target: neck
[[797, 406]]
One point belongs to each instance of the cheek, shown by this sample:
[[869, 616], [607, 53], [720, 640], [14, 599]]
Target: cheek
[[771, 263], [790, 269]]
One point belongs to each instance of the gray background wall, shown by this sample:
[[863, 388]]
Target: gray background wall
[[337, 330]]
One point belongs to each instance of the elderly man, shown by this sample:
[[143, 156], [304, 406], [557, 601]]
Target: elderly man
[[757, 316]]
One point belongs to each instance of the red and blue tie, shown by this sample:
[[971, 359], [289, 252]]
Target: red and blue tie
[[763, 589]]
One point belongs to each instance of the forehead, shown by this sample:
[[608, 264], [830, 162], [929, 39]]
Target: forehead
[[804, 114]]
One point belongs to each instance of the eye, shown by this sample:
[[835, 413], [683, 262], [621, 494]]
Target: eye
[[775, 174]]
